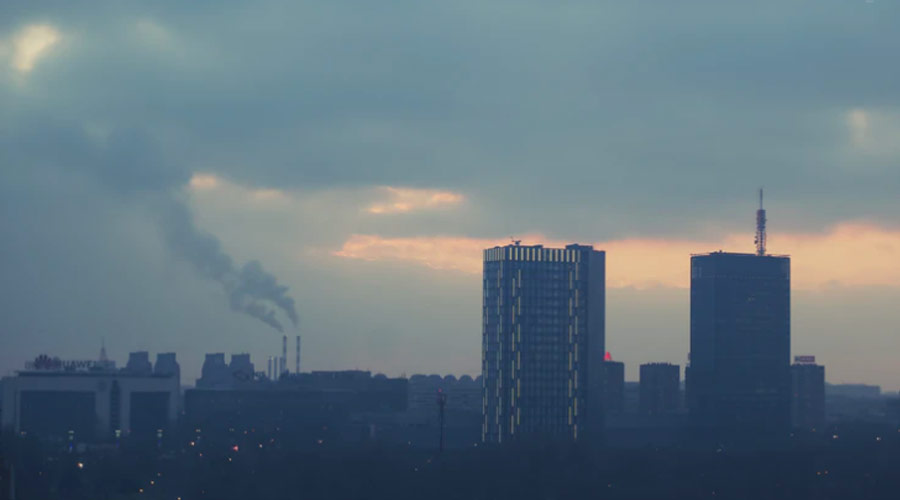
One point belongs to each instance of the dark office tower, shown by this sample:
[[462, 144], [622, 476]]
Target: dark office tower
[[660, 391], [613, 386], [808, 394], [739, 373], [542, 342]]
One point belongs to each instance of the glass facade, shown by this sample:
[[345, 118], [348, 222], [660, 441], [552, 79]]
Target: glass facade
[[739, 373], [542, 331]]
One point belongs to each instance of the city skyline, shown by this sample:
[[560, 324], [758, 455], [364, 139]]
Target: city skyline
[[507, 249], [366, 167]]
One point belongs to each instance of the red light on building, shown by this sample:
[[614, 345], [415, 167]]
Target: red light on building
[[608, 356]]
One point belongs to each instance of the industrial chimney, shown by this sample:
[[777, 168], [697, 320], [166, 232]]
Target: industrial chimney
[[283, 355], [297, 366]]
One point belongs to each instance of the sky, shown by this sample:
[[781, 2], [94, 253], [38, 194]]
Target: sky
[[195, 176]]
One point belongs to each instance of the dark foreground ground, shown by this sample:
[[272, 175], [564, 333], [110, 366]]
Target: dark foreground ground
[[864, 465]]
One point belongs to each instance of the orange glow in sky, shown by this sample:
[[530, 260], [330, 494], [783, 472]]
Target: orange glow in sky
[[850, 254]]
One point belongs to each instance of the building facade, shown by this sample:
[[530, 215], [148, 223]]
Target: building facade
[[660, 390], [463, 393], [613, 386], [85, 401], [303, 409], [542, 341], [807, 395], [739, 373]]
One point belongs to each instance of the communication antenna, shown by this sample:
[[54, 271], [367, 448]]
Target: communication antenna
[[760, 227]]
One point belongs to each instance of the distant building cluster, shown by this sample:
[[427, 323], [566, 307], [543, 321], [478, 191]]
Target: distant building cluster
[[546, 374], [87, 401]]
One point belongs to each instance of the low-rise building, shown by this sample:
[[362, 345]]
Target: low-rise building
[[808, 394], [660, 391], [88, 401]]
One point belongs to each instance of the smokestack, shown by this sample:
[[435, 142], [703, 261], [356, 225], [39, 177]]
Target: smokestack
[[297, 367], [283, 354], [270, 368]]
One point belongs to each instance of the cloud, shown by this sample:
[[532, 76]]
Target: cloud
[[858, 122], [203, 182], [154, 34], [874, 132], [31, 44], [375, 200], [849, 254], [437, 252], [403, 200]]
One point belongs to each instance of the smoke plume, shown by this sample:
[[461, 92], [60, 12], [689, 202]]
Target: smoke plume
[[132, 165], [250, 289]]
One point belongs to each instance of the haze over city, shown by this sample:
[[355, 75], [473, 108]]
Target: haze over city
[[366, 153]]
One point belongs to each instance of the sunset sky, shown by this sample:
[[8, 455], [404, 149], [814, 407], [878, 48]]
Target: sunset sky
[[366, 152]]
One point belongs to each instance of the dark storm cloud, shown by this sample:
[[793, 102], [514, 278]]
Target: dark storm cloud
[[645, 109]]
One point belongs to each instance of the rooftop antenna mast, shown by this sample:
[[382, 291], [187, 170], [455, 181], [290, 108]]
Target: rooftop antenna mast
[[760, 227]]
